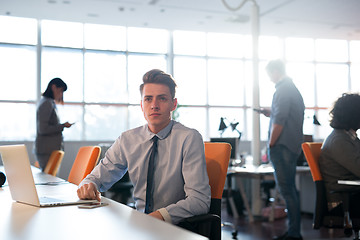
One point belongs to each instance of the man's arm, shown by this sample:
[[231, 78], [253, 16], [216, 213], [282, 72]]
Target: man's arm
[[197, 188], [265, 111], [276, 130], [104, 175]]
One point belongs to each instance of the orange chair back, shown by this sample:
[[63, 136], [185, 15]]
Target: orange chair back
[[217, 157], [312, 152], [84, 163], [54, 162]]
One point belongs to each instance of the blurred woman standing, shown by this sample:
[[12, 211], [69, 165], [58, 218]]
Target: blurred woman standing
[[48, 127]]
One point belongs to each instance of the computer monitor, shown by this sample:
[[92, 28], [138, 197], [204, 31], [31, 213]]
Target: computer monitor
[[234, 142]]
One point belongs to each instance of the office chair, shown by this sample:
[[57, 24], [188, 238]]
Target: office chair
[[322, 217], [121, 190], [54, 162], [217, 157], [85, 161]]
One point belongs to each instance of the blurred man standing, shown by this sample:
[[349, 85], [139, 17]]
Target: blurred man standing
[[285, 139]]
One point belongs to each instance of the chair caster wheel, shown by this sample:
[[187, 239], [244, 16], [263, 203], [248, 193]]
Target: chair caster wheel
[[348, 232], [234, 234]]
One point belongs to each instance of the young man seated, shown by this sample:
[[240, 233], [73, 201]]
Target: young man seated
[[180, 186]]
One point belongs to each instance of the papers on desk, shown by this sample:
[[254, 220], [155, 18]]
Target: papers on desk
[[349, 182], [263, 169], [252, 169]]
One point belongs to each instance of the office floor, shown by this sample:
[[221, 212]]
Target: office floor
[[261, 229]]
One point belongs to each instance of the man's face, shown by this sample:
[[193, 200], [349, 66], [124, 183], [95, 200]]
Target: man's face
[[157, 105], [274, 75]]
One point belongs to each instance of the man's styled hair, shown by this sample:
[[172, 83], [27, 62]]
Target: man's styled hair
[[276, 65], [159, 77], [345, 113]]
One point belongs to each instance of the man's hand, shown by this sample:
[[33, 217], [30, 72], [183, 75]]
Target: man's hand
[[266, 112], [276, 130], [88, 191], [157, 215]]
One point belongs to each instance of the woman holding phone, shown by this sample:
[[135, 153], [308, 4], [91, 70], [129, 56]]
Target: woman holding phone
[[48, 127]]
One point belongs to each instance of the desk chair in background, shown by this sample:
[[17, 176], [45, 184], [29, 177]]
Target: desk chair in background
[[53, 165], [322, 217], [85, 161], [217, 157]]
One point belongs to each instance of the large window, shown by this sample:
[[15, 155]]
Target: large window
[[18, 72], [103, 67], [66, 64]]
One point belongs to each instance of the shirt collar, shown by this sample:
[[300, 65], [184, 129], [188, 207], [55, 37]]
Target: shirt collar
[[283, 80], [163, 133]]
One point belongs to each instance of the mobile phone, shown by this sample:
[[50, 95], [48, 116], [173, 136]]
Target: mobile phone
[[257, 110], [93, 205]]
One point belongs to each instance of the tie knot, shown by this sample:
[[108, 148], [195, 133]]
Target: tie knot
[[155, 139]]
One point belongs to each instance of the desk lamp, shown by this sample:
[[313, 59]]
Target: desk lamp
[[315, 121], [222, 126], [233, 127]]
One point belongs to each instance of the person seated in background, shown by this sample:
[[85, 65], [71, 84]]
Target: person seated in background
[[340, 156], [180, 184]]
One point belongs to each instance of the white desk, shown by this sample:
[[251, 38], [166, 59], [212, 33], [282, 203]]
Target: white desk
[[256, 172], [116, 221]]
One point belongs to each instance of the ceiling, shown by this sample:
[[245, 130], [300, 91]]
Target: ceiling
[[339, 19]]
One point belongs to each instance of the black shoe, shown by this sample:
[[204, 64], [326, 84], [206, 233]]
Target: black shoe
[[282, 237], [293, 238], [286, 237]]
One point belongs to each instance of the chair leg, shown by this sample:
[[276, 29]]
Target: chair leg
[[347, 225], [356, 234], [234, 232], [347, 222]]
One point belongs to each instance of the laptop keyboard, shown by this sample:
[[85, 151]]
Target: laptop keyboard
[[50, 200]]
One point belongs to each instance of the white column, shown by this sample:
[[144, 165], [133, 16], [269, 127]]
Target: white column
[[255, 144]]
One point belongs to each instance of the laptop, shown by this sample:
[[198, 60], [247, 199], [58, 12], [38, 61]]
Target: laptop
[[21, 181]]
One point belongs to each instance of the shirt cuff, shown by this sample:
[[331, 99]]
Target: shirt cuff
[[165, 214]]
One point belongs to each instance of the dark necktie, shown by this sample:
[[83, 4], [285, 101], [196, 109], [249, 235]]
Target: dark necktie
[[149, 204]]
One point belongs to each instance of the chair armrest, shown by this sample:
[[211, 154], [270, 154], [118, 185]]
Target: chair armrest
[[202, 218], [204, 224]]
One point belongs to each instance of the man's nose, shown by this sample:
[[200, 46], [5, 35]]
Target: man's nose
[[155, 105]]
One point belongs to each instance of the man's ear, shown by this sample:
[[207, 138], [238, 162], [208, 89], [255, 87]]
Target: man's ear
[[141, 105], [175, 104]]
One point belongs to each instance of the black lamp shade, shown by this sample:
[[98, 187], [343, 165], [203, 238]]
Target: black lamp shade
[[222, 126]]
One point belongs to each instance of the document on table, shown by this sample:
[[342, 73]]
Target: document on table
[[349, 182]]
